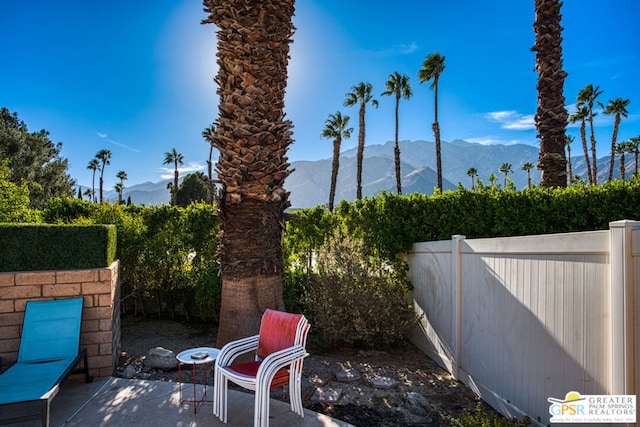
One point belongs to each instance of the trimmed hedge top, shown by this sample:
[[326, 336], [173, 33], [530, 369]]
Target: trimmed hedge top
[[36, 247]]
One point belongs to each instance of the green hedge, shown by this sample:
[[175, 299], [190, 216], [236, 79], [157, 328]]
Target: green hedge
[[35, 247], [390, 224], [167, 254], [170, 253]]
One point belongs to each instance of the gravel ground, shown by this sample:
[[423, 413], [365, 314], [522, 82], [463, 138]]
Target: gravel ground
[[421, 393]]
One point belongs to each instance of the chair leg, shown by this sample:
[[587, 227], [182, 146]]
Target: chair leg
[[261, 409], [295, 394], [45, 412], [220, 397], [87, 377]]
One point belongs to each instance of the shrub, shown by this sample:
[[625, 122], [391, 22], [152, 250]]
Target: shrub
[[355, 299], [35, 247], [481, 417]]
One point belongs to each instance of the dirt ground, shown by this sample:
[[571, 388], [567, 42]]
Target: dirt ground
[[424, 393]]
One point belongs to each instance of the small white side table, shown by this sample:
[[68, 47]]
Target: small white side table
[[195, 357]]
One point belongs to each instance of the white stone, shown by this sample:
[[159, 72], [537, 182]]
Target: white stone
[[161, 358]]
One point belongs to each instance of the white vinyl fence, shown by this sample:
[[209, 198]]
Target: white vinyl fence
[[522, 319]]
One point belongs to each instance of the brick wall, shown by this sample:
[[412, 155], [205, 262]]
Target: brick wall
[[100, 333]]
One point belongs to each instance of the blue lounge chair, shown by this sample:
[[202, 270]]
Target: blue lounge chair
[[48, 354]]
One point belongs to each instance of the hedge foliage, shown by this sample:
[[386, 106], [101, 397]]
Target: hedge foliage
[[34, 247], [169, 253], [390, 224]]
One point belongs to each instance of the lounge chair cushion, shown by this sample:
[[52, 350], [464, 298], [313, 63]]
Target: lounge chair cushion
[[25, 382]]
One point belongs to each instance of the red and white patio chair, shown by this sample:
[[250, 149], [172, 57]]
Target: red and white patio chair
[[280, 351]]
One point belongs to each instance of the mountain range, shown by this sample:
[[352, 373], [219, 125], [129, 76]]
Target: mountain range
[[310, 180]]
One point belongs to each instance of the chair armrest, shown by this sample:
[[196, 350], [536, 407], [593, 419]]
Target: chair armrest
[[233, 349], [278, 360]]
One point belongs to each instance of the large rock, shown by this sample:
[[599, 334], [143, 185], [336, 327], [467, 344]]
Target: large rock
[[161, 358]]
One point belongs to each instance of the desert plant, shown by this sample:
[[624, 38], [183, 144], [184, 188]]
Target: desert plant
[[481, 417], [354, 299]]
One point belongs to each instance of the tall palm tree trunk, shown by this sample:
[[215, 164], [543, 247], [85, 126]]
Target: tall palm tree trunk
[[569, 163], [396, 149], [622, 168], [436, 133], [101, 183], [252, 137], [93, 186], [335, 165], [614, 138], [583, 137], [551, 115], [360, 154], [594, 158], [176, 178]]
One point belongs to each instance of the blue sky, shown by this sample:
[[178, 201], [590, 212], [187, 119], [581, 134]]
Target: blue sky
[[136, 77]]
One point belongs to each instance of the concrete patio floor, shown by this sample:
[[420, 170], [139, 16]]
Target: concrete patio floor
[[121, 402]]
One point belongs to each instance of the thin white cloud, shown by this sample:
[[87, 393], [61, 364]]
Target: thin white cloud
[[119, 144], [167, 172], [512, 120], [397, 50]]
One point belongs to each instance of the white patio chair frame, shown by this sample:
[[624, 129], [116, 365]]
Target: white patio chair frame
[[290, 358]]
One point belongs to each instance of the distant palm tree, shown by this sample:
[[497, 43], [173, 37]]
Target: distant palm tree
[[432, 68], [360, 94], [492, 180], [617, 107], [527, 167], [551, 115], [621, 148], [208, 134], [104, 157], [587, 97], [119, 187], [90, 193], [581, 116], [336, 128], [634, 145], [94, 164], [506, 169], [399, 86], [472, 172], [568, 140], [177, 159], [122, 176]]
